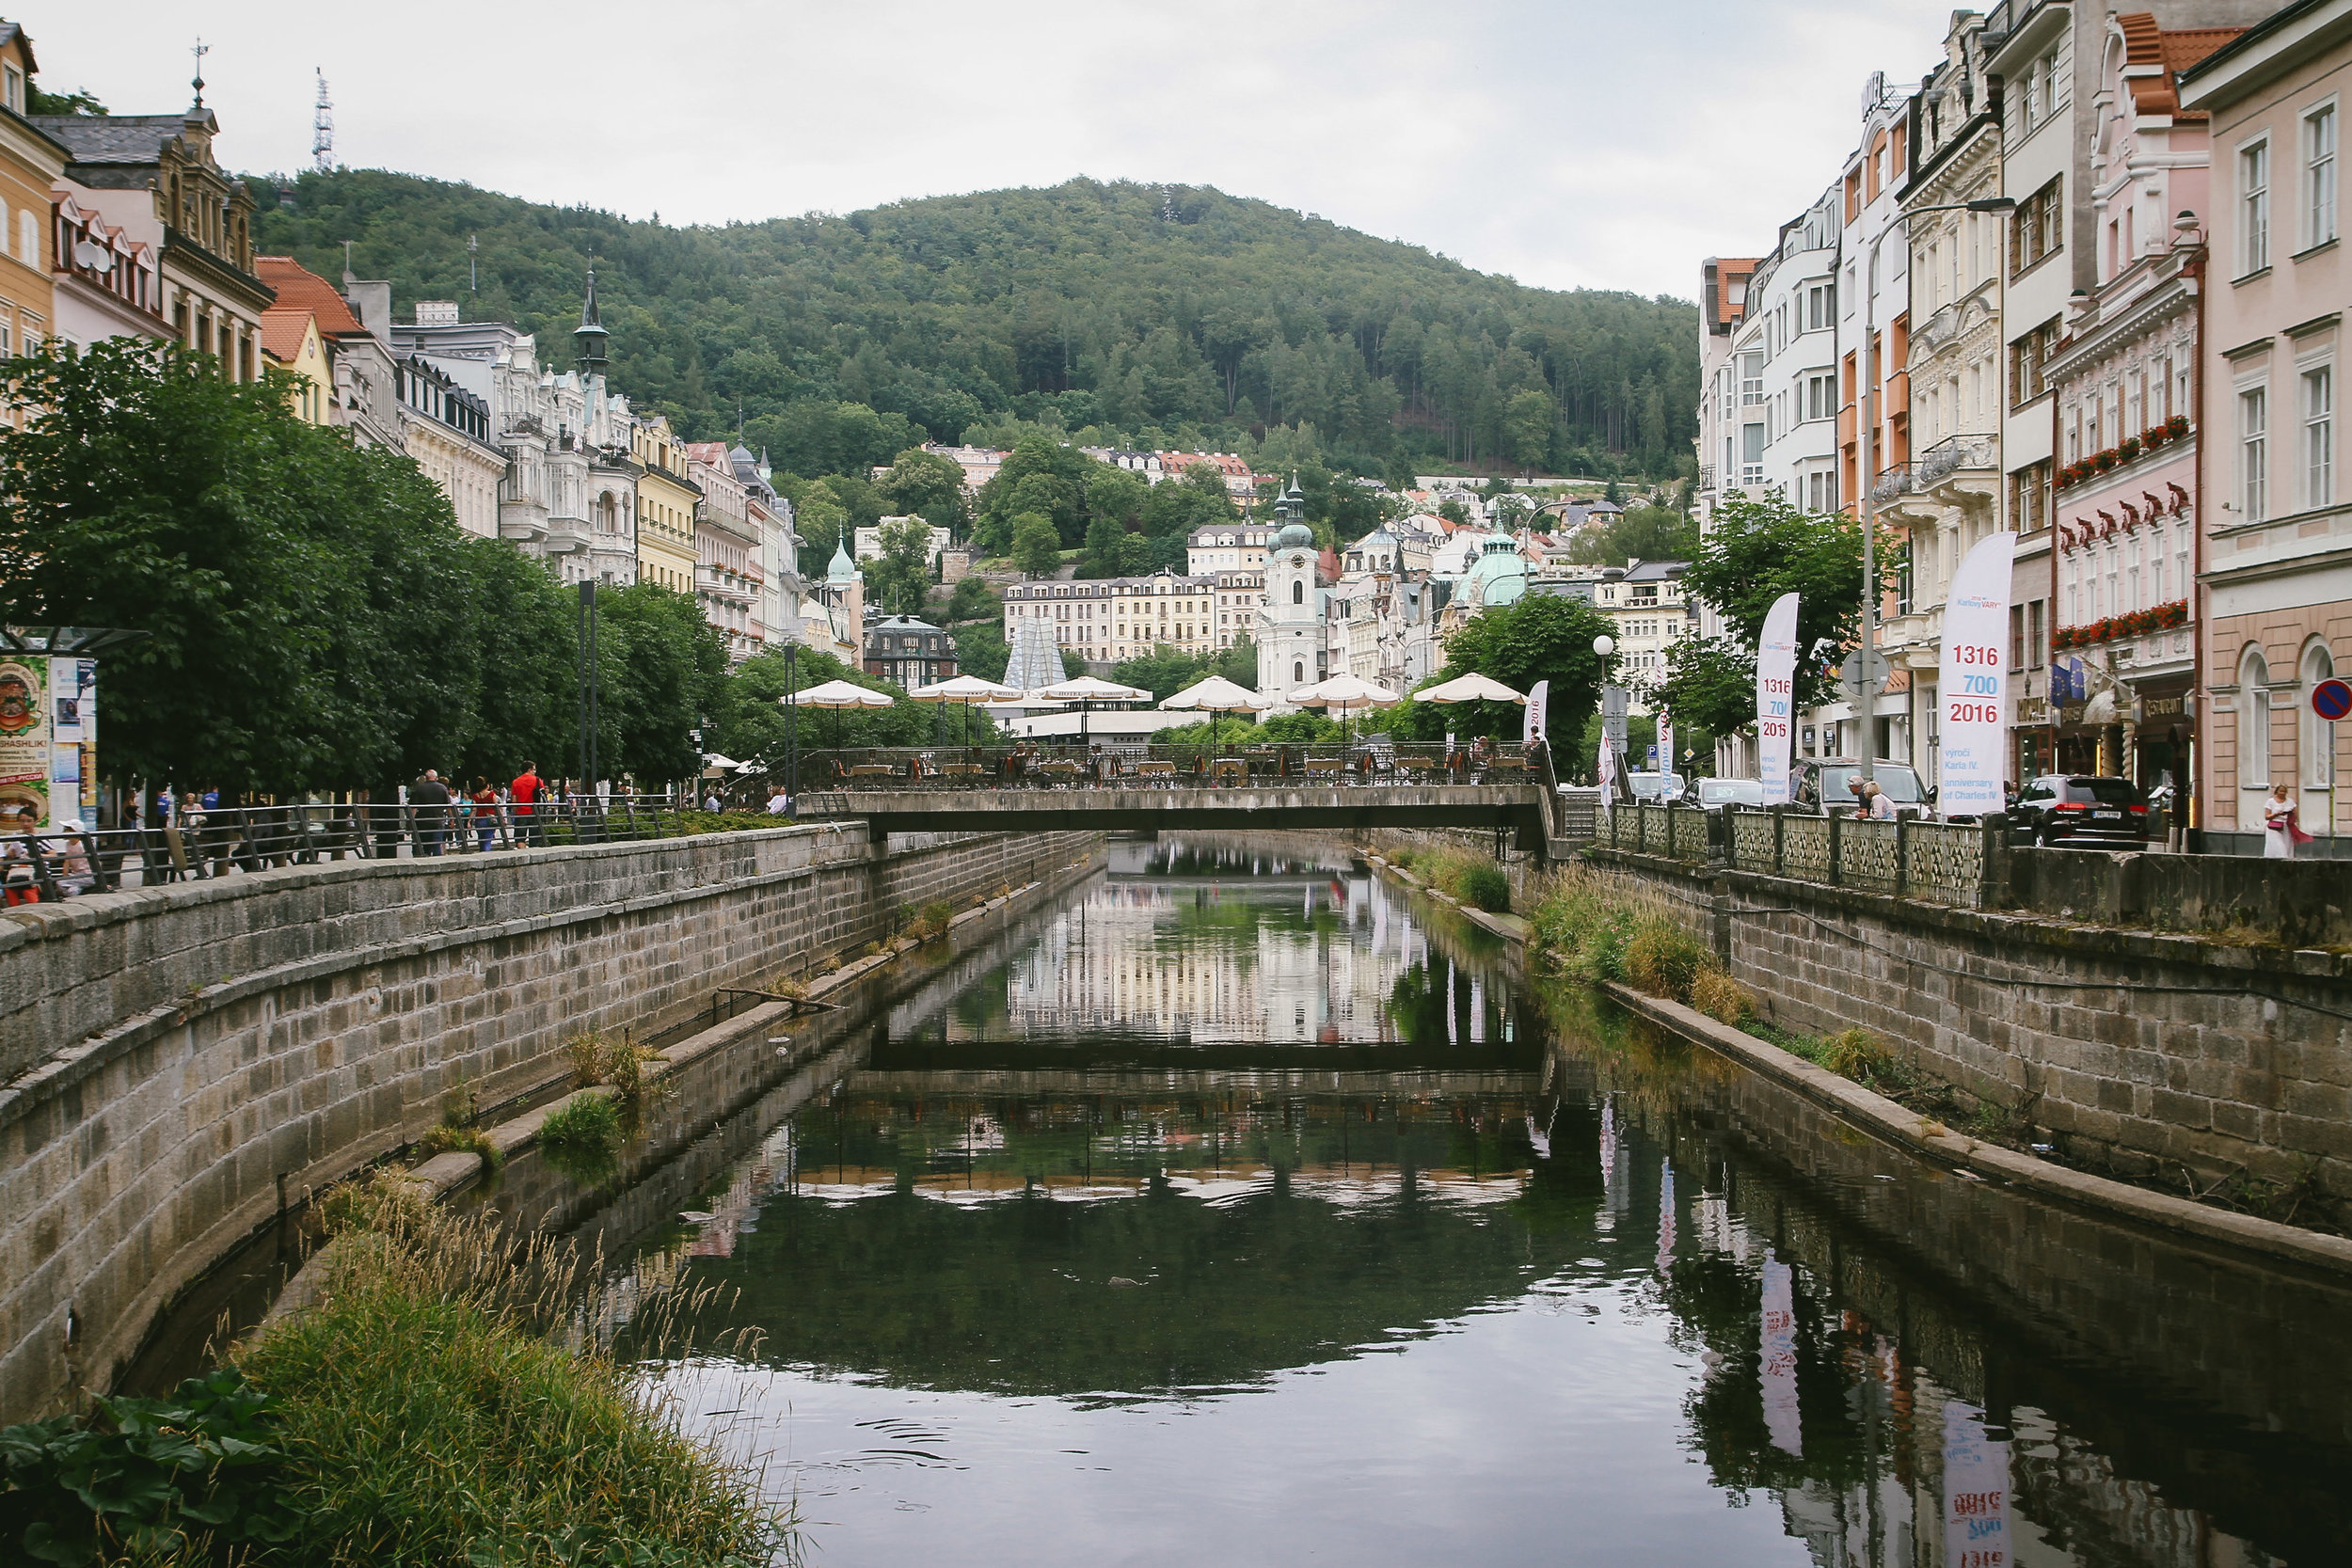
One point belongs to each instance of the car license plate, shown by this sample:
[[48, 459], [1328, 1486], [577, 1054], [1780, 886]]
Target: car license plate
[[2108, 816]]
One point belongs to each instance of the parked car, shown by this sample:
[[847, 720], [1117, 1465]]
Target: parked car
[[1824, 785], [1715, 794], [1657, 789], [2082, 809]]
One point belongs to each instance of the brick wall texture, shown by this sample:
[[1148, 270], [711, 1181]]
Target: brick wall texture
[[177, 1061]]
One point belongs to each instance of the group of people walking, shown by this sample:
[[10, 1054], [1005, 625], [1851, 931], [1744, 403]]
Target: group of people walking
[[436, 810]]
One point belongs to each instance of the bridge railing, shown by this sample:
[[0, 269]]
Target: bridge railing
[[198, 843], [1069, 765]]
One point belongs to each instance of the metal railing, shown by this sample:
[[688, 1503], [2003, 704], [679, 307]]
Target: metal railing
[[1961, 863], [1127, 765], [224, 840]]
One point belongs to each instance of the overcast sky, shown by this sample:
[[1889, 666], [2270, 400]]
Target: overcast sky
[[1572, 144]]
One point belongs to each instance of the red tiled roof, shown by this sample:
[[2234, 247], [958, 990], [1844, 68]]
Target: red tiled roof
[[2175, 50], [281, 332], [300, 289]]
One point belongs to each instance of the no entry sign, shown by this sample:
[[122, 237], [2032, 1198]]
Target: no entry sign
[[2331, 700]]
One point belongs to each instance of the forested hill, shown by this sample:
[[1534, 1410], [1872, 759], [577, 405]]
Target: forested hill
[[1166, 317]]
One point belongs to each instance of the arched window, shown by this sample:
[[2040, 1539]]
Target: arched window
[[2253, 723], [2318, 748], [1299, 592], [1298, 672]]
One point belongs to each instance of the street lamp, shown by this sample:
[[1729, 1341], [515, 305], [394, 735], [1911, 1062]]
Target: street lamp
[[1866, 458], [1613, 703]]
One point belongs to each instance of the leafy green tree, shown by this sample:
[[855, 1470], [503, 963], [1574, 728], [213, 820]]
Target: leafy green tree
[[663, 675], [980, 650], [1540, 638], [1072, 664], [1756, 551], [899, 578], [1101, 554], [1645, 533], [1036, 545], [1527, 422], [1040, 477], [1301, 729], [1175, 507], [1238, 663], [1138, 555], [973, 600], [818, 517], [925, 483], [1163, 671]]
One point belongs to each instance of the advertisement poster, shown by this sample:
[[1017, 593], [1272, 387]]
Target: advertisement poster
[[1775, 697], [25, 756], [1537, 697], [1974, 729]]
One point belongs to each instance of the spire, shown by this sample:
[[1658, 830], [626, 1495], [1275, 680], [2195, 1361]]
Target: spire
[[200, 50], [588, 340]]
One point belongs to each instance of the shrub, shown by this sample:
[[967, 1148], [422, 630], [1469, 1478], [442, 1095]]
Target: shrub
[[1855, 1053], [1722, 998], [584, 1048], [197, 1475], [1487, 887], [585, 1124], [1580, 931], [1663, 958]]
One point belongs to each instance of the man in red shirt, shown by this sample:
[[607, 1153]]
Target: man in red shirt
[[527, 789]]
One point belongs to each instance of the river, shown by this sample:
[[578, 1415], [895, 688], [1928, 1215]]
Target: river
[[1241, 1208]]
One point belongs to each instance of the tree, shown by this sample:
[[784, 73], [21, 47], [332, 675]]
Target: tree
[[1073, 664], [925, 485], [1756, 551], [1239, 663], [1527, 422], [1163, 671], [1644, 534], [818, 517], [663, 675], [1036, 545], [980, 650], [1540, 638], [1176, 507], [972, 601], [900, 578], [1101, 554]]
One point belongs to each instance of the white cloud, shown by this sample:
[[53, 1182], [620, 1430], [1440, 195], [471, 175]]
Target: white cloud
[[1569, 144]]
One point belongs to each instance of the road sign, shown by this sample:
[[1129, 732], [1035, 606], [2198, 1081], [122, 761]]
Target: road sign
[[1863, 674], [1614, 700], [2331, 700]]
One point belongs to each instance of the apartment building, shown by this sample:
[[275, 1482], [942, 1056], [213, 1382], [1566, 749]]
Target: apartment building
[[2277, 567], [1112, 619]]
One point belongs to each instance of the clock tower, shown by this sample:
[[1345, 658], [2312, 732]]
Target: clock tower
[[1290, 627]]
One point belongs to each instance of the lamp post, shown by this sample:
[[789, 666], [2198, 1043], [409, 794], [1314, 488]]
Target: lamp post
[[1866, 455], [1614, 700]]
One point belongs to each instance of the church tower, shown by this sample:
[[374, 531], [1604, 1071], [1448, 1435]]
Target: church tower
[[1290, 629]]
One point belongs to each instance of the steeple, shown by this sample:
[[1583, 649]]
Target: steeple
[[588, 340]]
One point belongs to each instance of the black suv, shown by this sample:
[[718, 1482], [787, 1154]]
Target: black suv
[[2075, 808]]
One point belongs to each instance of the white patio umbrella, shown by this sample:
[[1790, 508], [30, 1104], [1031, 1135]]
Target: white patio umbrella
[[1344, 694], [838, 695], [1472, 687], [967, 690], [716, 765], [1217, 695], [1086, 691]]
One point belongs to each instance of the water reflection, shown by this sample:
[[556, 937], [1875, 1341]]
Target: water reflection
[[1245, 1207]]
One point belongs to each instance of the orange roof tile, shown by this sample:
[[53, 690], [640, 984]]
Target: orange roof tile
[[300, 287], [282, 328]]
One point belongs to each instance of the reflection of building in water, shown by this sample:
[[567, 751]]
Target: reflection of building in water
[[1226, 964]]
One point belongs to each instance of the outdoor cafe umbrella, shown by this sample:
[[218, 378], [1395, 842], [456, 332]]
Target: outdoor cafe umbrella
[[1472, 687], [1086, 691], [967, 690], [838, 695], [1217, 695], [1344, 694], [716, 765]]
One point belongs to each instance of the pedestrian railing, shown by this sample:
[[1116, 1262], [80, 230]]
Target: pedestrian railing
[[226, 840], [1122, 764], [1942, 863]]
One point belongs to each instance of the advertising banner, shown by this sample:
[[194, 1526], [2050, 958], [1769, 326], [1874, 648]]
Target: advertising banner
[[25, 757], [1775, 697], [1973, 728], [1537, 696]]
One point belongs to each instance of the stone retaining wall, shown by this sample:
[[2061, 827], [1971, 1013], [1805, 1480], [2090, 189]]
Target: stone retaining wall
[[2140, 1052], [180, 1062]]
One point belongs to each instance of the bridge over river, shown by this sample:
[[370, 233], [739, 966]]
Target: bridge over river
[[1519, 809]]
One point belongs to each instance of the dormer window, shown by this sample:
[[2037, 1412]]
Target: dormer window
[[13, 88]]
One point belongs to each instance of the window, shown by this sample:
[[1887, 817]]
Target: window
[[2036, 229], [14, 89], [2029, 357], [2029, 497], [1752, 454], [2253, 452], [1820, 491], [2035, 642], [2319, 176], [2253, 722], [1751, 379], [2253, 208], [2017, 636], [2319, 436], [1820, 306], [1299, 592], [2318, 739], [29, 237], [1820, 397]]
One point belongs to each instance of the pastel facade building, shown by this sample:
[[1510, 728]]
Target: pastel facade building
[[2277, 540]]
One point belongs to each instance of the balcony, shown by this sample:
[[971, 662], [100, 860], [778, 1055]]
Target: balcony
[[523, 522], [566, 535], [1960, 470], [1892, 484]]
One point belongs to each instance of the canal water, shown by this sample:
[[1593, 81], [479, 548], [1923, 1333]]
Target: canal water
[[1244, 1208]]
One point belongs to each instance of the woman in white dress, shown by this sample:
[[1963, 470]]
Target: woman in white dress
[[2282, 832]]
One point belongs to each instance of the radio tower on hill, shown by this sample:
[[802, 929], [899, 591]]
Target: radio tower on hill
[[323, 131]]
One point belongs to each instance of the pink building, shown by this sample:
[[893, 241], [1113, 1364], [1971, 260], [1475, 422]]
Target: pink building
[[2122, 584], [2278, 539]]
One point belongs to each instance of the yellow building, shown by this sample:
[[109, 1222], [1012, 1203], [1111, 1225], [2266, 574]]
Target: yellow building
[[665, 507], [290, 340], [31, 161]]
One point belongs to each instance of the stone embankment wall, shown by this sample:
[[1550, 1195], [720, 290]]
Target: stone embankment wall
[[2143, 1053], [179, 1062]]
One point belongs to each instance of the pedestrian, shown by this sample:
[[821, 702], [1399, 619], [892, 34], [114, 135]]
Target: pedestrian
[[1881, 805], [711, 802], [486, 811], [525, 792], [429, 797], [779, 803], [2282, 830]]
